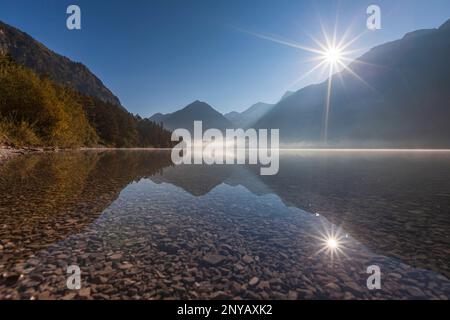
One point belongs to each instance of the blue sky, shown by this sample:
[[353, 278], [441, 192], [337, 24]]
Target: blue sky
[[158, 56]]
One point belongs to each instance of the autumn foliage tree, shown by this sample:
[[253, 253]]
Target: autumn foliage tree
[[34, 111]]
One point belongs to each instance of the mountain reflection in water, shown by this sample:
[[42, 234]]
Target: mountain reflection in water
[[140, 227]]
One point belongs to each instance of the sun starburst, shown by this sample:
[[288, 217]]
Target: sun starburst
[[331, 241], [333, 55]]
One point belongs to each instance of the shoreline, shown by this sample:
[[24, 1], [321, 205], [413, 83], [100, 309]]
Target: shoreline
[[8, 152]]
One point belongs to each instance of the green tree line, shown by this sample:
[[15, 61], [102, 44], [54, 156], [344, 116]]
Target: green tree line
[[35, 111]]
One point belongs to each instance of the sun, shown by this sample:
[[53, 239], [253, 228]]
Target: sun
[[333, 55], [332, 243]]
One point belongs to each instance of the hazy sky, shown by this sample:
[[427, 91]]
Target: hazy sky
[[158, 56]]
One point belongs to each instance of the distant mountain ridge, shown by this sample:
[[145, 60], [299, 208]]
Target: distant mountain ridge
[[249, 117], [34, 55], [404, 100], [196, 111], [211, 118]]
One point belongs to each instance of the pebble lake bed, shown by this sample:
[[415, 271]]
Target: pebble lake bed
[[139, 227]]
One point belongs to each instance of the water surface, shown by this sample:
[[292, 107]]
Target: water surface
[[141, 228]]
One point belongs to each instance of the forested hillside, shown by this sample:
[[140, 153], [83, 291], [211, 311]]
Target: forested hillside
[[35, 111]]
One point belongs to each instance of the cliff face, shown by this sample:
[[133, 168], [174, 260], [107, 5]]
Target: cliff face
[[34, 55]]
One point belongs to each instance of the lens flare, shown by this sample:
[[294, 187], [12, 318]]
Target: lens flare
[[332, 241], [332, 55]]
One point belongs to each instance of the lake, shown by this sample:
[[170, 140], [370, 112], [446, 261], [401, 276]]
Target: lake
[[139, 227]]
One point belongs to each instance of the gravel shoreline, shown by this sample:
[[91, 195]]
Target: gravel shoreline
[[7, 153]]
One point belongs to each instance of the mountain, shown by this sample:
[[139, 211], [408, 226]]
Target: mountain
[[157, 117], [233, 116], [249, 117], [252, 115], [27, 51], [48, 100], [287, 94], [195, 111], [403, 100]]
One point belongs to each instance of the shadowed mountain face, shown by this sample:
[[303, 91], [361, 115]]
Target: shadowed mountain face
[[403, 100], [196, 111], [34, 55]]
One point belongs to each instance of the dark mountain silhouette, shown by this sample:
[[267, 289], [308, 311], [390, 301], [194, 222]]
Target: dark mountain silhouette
[[34, 55], [196, 111], [404, 100]]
